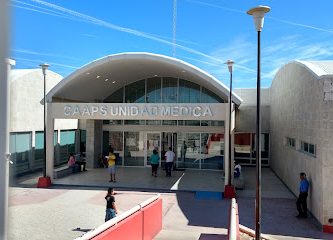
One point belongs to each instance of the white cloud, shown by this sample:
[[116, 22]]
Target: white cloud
[[31, 52], [92, 20], [273, 57]]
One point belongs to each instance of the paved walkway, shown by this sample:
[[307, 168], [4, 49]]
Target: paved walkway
[[57, 213], [140, 178]]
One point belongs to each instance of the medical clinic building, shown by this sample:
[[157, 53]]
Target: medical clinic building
[[138, 102]]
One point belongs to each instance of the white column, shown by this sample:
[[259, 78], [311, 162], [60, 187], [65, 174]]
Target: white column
[[233, 129], [94, 135], [49, 141], [226, 147], [4, 117]]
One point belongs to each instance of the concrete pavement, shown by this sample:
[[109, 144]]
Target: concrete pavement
[[58, 213]]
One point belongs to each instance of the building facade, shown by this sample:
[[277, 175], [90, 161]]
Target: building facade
[[138, 102], [27, 125], [301, 128]]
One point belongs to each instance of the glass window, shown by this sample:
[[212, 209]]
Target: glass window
[[264, 146], [135, 122], [134, 151], [116, 97], [39, 147], [135, 92], [212, 150], [67, 145], [169, 91], [169, 122], [308, 148], [116, 142], [188, 92], [188, 145], [189, 122], [20, 148], [210, 97], [153, 122], [291, 142], [242, 145], [212, 123], [153, 90], [113, 122]]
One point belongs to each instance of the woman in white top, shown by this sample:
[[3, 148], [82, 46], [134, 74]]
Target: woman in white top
[[169, 157]]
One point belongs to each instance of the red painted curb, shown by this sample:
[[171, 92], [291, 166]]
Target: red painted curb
[[44, 182], [327, 229]]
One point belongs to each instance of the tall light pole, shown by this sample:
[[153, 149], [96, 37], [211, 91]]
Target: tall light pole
[[258, 14], [44, 66], [44, 182], [230, 64]]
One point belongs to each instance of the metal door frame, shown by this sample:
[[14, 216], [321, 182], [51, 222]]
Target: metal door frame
[[146, 149]]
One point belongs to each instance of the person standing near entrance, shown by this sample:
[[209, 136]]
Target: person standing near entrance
[[169, 157], [154, 161], [111, 210], [303, 194], [112, 165]]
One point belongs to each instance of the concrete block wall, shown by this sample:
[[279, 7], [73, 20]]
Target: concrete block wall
[[298, 111], [326, 153], [246, 113], [26, 94]]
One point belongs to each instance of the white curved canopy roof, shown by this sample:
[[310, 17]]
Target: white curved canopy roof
[[89, 84], [320, 69]]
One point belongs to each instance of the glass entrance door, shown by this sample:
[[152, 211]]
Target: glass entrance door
[[153, 141], [169, 139], [190, 150]]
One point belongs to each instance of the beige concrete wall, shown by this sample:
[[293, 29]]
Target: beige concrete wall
[[298, 111], [326, 154], [26, 93], [246, 113]]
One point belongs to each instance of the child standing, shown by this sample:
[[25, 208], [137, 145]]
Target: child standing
[[112, 165], [111, 209]]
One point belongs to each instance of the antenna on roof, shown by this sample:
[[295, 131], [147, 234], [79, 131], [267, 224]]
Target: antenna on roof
[[174, 24]]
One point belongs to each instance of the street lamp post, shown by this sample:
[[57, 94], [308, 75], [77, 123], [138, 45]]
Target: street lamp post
[[44, 181], [230, 64], [258, 14], [44, 66]]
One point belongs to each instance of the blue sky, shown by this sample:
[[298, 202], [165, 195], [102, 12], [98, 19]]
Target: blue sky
[[70, 33]]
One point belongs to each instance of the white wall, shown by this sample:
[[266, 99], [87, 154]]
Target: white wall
[[246, 113], [298, 111], [26, 94]]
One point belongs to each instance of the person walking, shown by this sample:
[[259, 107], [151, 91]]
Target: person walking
[[303, 194], [237, 170], [112, 165], [169, 157], [111, 209], [154, 161]]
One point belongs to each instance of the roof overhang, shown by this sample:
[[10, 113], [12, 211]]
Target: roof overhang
[[100, 78]]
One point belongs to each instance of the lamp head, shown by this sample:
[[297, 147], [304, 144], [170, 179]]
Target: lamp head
[[230, 63], [44, 66], [258, 14]]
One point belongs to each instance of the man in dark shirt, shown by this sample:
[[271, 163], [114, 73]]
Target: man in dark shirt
[[303, 194], [111, 209]]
